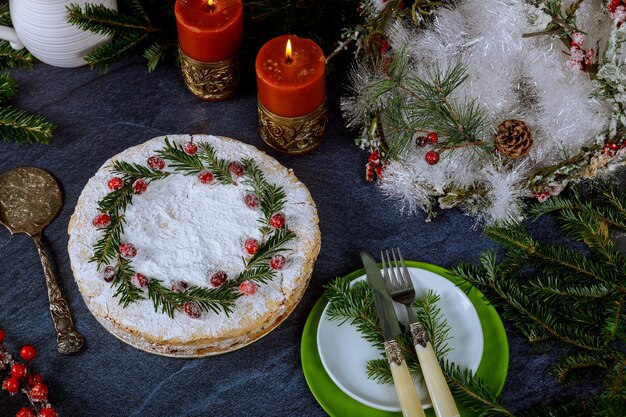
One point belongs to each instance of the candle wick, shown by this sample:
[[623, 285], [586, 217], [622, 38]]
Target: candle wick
[[288, 60], [209, 7]]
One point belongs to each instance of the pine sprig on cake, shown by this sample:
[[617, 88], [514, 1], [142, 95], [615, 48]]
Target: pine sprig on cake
[[105, 249], [131, 172], [180, 160], [116, 201], [218, 167], [126, 290], [191, 159]]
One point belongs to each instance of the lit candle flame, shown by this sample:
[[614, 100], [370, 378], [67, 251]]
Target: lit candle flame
[[288, 51], [209, 3]]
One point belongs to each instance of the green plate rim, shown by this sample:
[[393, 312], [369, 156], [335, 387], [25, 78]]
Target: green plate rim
[[493, 366]]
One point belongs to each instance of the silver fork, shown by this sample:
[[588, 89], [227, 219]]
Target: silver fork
[[400, 287]]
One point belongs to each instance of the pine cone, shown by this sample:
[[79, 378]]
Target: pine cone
[[513, 138]]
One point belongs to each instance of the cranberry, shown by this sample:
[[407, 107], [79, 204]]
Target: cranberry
[[108, 273], [28, 352], [101, 220], [248, 287], [277, 262], [251, 201], [206, 177], [128, 250], [191, 148], [140, 186], [155, 162], [236, 168], [218, 278], [192, 309], [251, 246], [277, 221], [179, 286], [115, 183]]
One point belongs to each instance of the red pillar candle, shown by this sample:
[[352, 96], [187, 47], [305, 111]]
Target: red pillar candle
[[294, 84], [209, 30]]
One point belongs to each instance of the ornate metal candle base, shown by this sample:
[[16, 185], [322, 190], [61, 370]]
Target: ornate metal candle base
[[210, 80], [292, 135]]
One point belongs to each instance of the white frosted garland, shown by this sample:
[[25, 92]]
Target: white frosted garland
[[512, 78]]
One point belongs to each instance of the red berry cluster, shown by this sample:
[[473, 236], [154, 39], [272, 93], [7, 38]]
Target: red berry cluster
[[612, 148], [374, 166], [22, 378], [431, 157], [617, 10]]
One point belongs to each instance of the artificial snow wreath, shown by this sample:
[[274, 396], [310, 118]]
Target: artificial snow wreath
[[482, 103]]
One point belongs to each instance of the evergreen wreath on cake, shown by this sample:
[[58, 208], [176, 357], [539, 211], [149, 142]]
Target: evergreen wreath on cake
[[482, 104], [193, 245]]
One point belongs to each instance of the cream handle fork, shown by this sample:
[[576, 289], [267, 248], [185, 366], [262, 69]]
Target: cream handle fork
[[405, 387], [438, 389]]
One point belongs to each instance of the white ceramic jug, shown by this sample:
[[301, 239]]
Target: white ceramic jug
[[42, 27]]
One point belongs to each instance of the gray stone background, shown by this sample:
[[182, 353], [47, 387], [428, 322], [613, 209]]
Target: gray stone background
[[99, 115]]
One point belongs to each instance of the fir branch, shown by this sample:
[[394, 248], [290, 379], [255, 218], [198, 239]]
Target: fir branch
[[130, 171], [260, 274], [435, 323], [162, 298], [179, 160], [127, 292], [116, 201], [18, 126], [106, 248], [578, 363], [272, 197], [8, 87], [272, 246], [254, 177], [10, 58], [221, 299], [99, 19], [378, 370], [473, 393], [157, 52], [5, 15], [119, 47], [217, 166]]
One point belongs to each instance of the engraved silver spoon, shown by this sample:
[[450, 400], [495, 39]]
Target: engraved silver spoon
[[30, 198]]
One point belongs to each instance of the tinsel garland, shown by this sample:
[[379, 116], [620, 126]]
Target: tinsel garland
[[525, 60]]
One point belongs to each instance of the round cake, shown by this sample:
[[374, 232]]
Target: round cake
[[193, 245]]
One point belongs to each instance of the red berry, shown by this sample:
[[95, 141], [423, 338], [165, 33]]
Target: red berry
[[179, 286], [25, 412], [28, 352], [277, 221], [248, 287], [140, 186], [206, 177], [431, 157], [433, 137], [39, 392], [155, 162], [251, 201], [218, 278], [101, 220], [115, 183], [277, 262], [380, 169], [128, 250], [369, 172], [108, 273], [2, 335], [374, 158], [48, 412], [251, 246], [140, 280], [11, 385], [19, 371], [192, 309], [236, 168], [33, 379], [191, 148]]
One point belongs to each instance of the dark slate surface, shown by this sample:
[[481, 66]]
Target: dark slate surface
[[100, 115]]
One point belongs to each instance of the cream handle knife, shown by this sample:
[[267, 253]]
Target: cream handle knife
[[438, 389], [405, 387]]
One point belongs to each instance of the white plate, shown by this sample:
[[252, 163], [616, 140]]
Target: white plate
[[344, 352]]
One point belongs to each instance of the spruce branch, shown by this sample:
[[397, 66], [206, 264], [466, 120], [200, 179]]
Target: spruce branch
[[217, 166], [106, 248], [162, 298], [274, 245], [180, 160], [131, 171], [126, 291], [221, 299], [8, 87], [10, 58], [16, 125], [99, 19], [116, 201], [118, 48]]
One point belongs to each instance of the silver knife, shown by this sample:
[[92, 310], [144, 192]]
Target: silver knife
[[405, 387]]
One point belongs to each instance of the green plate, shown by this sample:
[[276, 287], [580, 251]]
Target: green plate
[[492, 369]]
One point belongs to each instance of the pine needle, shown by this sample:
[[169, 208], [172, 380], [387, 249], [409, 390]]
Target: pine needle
[[16, 125], [8, 87]]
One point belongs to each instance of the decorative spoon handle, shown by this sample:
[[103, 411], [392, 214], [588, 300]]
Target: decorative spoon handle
[[68, 339]]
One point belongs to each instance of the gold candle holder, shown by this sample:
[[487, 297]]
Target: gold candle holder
[[292, 135], [210, 80]]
